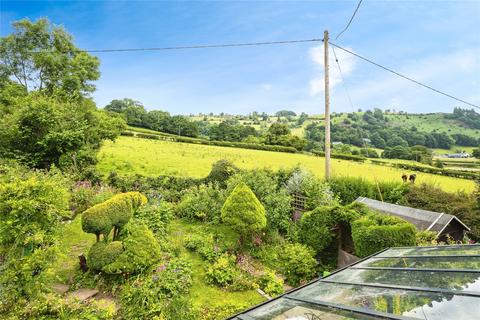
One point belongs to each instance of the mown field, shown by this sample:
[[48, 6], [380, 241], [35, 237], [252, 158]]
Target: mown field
[[129, 155]]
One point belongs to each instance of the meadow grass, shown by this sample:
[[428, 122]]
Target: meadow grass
[[129, 155]]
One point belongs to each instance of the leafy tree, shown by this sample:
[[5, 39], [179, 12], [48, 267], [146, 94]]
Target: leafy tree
[[42, 131], [42, 57], [244, 212], [285, 113], [396, 141]]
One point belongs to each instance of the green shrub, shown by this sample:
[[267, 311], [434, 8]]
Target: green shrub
[[141, 250], [86, 195], [202, 203], [270, 192], [156, 217], [297, 263], [243, 211], [374, 232], [270, 283], [316, 228], [205, 245], [221, 171], [160, 295], [115, 212], [224, 273]]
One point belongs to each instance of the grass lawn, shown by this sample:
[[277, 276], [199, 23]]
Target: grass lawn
[[129, 155]]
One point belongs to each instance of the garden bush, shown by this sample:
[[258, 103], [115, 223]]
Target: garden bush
[[141, 250], [156, 217], [243, 212], [113, 213], [297, 263], [221, 171], [85, 195], [270, 283], [202, 203], [374, 232], [224, 273], [205, 245]]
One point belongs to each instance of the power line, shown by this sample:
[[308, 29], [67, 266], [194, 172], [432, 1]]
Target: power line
[[404, 77], [351, 19], [342, 78], [205, 46]]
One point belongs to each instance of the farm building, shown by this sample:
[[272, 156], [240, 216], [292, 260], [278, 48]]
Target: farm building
[[441, 223], [461, 155], [434, 283]]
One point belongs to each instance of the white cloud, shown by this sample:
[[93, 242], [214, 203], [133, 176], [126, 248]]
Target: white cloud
[[266, 86], [347, 64]]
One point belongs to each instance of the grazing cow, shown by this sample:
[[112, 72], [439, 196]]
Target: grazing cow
[[404, 177], [412, 178]]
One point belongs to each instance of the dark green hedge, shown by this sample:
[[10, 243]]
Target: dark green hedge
[[340, 156], [374, 232], [217, 143], [440, 171]]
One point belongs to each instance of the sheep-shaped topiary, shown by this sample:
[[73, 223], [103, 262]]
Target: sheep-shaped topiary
[[113, 213]]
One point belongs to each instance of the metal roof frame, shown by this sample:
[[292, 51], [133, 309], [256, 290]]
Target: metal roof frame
[[381, 315]]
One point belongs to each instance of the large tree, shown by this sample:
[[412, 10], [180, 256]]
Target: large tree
[[42, 57]]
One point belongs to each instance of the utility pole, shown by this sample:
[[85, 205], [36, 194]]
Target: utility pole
[[327, 107]]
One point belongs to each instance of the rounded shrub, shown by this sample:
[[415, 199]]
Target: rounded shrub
[[374, 232], [141, 250], [316, 228], [103, 253], [97, 220], [270, 283], [298, 263]]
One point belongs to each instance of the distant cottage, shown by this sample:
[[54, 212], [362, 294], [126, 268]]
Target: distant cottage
[[461, 155], [441, 223]]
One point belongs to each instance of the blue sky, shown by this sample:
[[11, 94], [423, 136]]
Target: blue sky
[[436, 42]]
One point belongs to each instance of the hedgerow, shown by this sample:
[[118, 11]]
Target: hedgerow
[[374, 232]]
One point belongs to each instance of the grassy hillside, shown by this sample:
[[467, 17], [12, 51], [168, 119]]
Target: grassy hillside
[[130, 155], [431, 122]]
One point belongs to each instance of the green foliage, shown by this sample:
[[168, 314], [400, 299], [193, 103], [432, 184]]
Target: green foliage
[[426, 238], [298, 263], [224, 273], [103, 253], [85, 195], [243, 211], [221, 171], [42, 131], [270, 283], [463, 205], [374, 232], [41, 56], [156, 217], [202, 203], [159, 295], [141, 250], [276, 200], [205, 245], [32, 205], [115, 212]]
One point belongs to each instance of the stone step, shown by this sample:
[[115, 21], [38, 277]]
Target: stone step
[[83, 294]]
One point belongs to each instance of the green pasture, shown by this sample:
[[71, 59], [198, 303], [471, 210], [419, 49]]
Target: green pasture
[[129, 155]]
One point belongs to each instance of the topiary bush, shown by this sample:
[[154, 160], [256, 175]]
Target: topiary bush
[[113, 213], [374, 232], [140, 250], [244, 212]]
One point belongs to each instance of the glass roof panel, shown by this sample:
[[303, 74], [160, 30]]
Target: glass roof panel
[[419, 305], [440, 262], [425, 279], [285, 309], [432, 251]]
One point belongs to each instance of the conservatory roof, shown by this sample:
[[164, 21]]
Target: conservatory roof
[[421, 219], [437, 282]]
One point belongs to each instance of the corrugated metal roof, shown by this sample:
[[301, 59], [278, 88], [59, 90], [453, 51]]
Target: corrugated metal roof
[[421, 219]]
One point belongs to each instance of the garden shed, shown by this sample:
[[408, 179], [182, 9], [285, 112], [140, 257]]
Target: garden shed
[[441, 223], [431, 282]]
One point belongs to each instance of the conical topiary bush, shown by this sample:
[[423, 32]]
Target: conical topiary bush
[[244, 212]]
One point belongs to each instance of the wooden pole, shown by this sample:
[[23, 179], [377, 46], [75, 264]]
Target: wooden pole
[[327, 107]]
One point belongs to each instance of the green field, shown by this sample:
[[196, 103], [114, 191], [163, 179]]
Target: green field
[[129, 155], [431, 122]]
